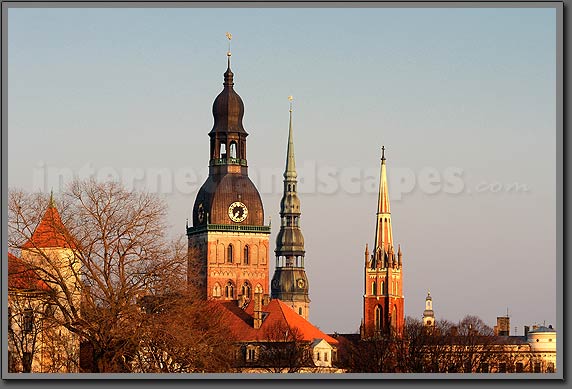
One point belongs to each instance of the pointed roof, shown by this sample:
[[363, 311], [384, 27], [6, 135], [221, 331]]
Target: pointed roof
[[50, 232], [22, 277], [240, 322], [290, 171], [383, 201]]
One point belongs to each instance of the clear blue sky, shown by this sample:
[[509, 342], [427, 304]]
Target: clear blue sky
[[466, 89]]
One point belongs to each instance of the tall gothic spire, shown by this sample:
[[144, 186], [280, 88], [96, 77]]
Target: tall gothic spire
[[289, 282], [290, 171], [383, 234]]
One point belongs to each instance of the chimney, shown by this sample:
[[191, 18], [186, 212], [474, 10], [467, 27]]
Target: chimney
[[257, 310], [526, 329]]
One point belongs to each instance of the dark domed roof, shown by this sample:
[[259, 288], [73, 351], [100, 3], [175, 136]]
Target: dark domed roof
[[219, 192], [228, 108], [290, 284], [290, 241]]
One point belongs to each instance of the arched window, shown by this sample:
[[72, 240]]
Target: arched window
[[246, 289], [222, 152], [381, 291], [246, 258], [232, 149], [229, 253], [300, 311], [394, 318], [216, 290], [229, 290], [378, 317], [289, 187], [373, 288]]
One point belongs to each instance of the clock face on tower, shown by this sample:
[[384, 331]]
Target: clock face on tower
[[237, 212], [301, 283]]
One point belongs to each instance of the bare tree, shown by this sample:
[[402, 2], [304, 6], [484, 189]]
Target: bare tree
[[116, 251], [182, 334], [283, 349]]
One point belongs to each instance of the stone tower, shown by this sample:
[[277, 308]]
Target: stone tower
[[290, 283], [228, 241], [383, 292], [428, 314]]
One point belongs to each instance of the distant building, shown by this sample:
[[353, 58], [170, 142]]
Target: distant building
[[428, 314], [383, 301], [38, 340], [271, 337]]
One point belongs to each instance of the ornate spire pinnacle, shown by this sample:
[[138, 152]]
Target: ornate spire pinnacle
[[383, 205], [290, 171], [228, 75]]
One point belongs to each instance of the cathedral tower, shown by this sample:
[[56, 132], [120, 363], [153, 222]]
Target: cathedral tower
[[290, 283], [383, 294], [228, 241]]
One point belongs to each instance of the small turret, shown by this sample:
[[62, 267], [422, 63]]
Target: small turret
[[399, 256], [366, 255]]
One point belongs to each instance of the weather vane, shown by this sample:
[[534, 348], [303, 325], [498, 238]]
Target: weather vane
[[382, 152], [229, 36], [291, 98]]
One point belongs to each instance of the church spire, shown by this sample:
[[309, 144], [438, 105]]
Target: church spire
[[383, 234], [290, 171], [290, 283]]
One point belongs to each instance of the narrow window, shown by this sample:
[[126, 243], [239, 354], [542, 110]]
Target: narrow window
[[300, 311], [232, 149], [378, 316], [229, 253], [246, 259], [222, 153], [326, 356], [216, 290], [246, 290], [229, 290], [318, 356], [373, 288]]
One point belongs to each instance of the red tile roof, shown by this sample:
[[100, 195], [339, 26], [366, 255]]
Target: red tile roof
[[275, 313], [22, 277], [50, 233]]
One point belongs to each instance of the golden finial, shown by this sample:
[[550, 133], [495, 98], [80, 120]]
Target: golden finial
[[291, 98], [229, 37]]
